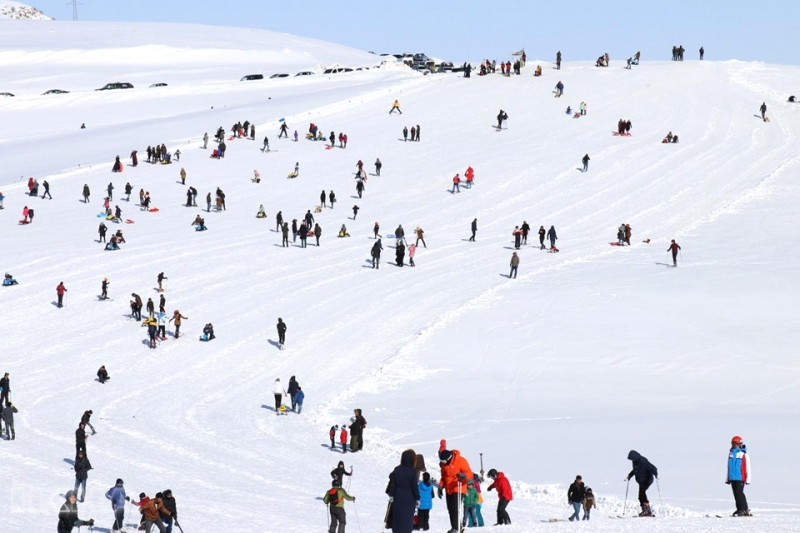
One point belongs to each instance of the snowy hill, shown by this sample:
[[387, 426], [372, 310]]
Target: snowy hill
[[16, 10], [588, 353]]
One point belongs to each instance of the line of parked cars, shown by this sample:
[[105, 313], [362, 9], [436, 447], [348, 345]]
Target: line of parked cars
[[106, 87]]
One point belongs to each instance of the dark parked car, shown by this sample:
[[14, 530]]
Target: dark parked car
[[55, 91], [274, 76], [158, 85], [115, 85], [251, 77], [304, 73]]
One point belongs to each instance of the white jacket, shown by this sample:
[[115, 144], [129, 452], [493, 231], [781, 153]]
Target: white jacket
[[277, 388]]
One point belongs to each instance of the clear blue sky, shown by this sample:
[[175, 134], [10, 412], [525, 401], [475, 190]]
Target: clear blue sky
[[766, 30]]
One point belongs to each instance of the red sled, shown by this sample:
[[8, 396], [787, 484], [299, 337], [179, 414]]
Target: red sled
[[24, 222], [153, 210], [553, 250], [128, 221], [232, 137], [615, 244], [617, 134]]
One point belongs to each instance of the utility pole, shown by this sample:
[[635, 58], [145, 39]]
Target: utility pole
[[74, 4]]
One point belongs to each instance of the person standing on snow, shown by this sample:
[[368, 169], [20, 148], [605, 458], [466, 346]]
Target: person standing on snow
[[514, 265], [504, 495], [542, 234], [674, 248], [517, 237], [85, 193], [322, 198], [412, 250], [82, 467], [559, 89], [303, 231], [405, 133], [377, 248], [551, 234], [501, 116], [285, 235], [279, 393], [739, 475], [279, 221], [585, 162], [400, 253], [355, 211], [395, 107], [334, 499], [68, 515], [5, 389], [558, 60], [339, 472], [282, 337], [425, 488], [455, 472], [8, 420], [360, 187], [644, 472], [575, 495], [378, 166], [525, 228], [332, 198], [417, 132], [420, 236], [764, 111], [177, 317], [104, 289], [118, 498], [284, 131], [60, 290], [317, 232], [403, 491], [168, 504], [293, 386], [474, 228]]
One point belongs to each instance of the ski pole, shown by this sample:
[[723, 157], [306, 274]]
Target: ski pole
[[355, 510], [350, 477], [625, 507], [680, 253], [178, 525], [660, 501], [481, 467]]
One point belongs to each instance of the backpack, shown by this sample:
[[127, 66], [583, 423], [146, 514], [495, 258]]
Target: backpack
[[333, 497]]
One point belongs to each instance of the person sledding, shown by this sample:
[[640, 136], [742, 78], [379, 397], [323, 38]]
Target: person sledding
[[112, 243], [9, 280], [208, 333], [343, 231], [201, 226]]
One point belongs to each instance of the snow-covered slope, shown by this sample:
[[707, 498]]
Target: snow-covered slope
[[588, 353], [17, 10]]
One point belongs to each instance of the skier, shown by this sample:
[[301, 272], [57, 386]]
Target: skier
[[68, 515], [575, 496], [455, 471], [764, 111], [177, 317], [395, 107], [403, 491], [551, 234], [355, 211], [674, 248], [334, 499], [161, 321], [378, 166], [474, 228], [82, 467], [585, 162], [504, 495], [644, 472], [739, 474], [514, 265], [60, 290], [279, 393], [339, 472], [104, 289], [284, 131], [282, 338], [8, 420], [501, 116], [118, 498]]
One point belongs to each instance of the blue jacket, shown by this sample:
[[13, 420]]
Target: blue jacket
[[425, 496], [299, 396], [117, 496], [739, 465]]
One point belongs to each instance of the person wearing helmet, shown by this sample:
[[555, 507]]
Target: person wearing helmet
[[644, 471], [739, 474], [503, 493], [335, 498]]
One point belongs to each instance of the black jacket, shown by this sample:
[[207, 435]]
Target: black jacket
[[404, 488], [292, 382], [170, 505], [474, 225], [282, 328], [82, 467], [5, 383], [576, 492], [339, 472], [80, 435], [68, 518], [376, 249], [643, 470], [86, 415]]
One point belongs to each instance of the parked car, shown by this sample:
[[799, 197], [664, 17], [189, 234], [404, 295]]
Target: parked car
[[304, 73], [334, 70], [115, 85], [55, 91], [444, 66], [6, 94], [251, 77], [363, 68], [278, 76], [158, 85]]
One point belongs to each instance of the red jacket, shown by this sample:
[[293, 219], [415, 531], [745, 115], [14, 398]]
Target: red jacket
[[456, 179], [674, 247], [60, 290], [343, 436], [503, 487]]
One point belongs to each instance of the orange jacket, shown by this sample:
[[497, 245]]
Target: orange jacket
[[457, 465]]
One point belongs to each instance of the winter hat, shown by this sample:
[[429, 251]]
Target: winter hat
[[119, 482], [69, 494], [442, 445], [470, 483], [142, 495], [426, 477], [445, 456]]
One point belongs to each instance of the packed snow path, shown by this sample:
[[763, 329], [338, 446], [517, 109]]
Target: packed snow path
[[588, 353]]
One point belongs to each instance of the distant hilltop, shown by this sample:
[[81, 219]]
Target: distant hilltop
[[17, 11]]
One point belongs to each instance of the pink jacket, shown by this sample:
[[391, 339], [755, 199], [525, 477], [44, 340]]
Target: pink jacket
[[412, 248]]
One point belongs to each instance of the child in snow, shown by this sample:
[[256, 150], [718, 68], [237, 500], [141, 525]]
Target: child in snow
[[470, 501], [256, 177], [343, 438], [261, 213], [425, 502], [208, 333], [343, 231], [412, 249], [332, 435], [588, 503], [299, 396]]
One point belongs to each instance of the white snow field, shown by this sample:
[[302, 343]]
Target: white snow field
[[589, 353]]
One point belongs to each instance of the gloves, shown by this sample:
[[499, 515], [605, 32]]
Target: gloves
[[354, 498], [416, 504], [440, 493], [491, 488], [127, 498], [461, 475]]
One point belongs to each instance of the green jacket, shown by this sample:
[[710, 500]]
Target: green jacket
[[471, 497], [341, 494]]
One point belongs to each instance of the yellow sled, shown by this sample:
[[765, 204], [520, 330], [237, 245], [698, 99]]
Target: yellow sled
[[292, 175]]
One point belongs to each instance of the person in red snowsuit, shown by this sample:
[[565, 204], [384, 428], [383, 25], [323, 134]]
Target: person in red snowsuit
[[674, 247], [503, 493]]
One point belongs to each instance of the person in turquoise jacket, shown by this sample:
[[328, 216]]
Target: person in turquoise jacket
[[739, 473], [425, 502]]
